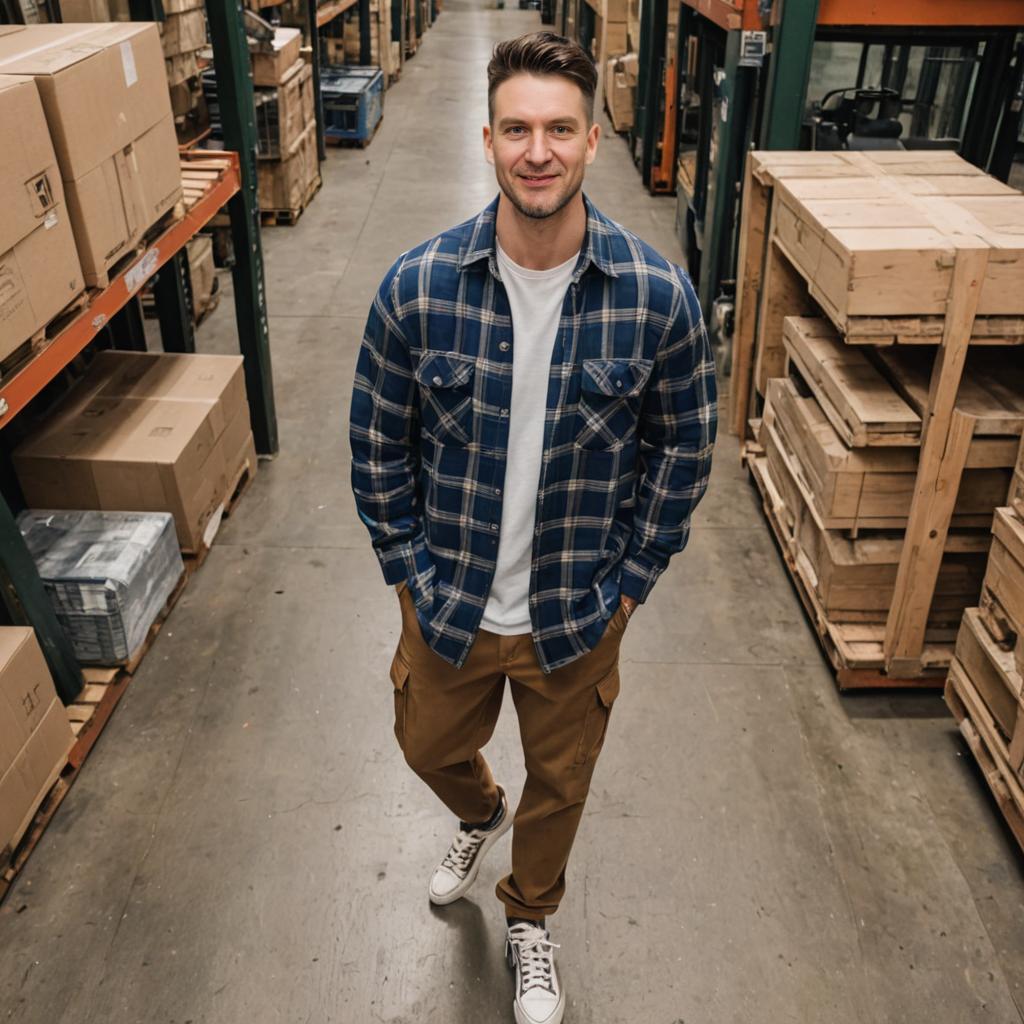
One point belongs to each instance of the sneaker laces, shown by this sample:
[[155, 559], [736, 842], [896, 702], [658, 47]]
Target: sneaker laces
[[536, 962], [462, 851]]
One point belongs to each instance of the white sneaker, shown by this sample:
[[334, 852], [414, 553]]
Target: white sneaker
[[539, 997], [455, 874]]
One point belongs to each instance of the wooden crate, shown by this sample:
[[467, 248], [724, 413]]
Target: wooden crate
[[815, 223], [893, 249], [981, 732], [871, 488]]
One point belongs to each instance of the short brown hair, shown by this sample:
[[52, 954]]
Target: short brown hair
[[542, 53]]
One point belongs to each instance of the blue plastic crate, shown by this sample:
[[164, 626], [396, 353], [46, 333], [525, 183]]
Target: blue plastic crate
[[353, 101]]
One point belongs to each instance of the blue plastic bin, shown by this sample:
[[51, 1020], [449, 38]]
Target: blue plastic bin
[[353, 101]]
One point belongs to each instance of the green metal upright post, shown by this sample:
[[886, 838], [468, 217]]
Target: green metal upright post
[[788, 72], [237, 114], [365, 44], [318, 103], [735, 91], [653, 32], [172, 293], [24, 596]]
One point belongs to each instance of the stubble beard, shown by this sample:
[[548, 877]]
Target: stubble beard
[[538, 212]]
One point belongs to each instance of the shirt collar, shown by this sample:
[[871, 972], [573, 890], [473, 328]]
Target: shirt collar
[[596, 250]]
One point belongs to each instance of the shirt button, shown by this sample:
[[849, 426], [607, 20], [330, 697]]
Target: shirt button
[[504, 346], [618, 384], [497, 490], [504, 412], [438, 382], [494, 527]]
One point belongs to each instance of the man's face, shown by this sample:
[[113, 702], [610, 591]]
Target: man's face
[[540, 140]]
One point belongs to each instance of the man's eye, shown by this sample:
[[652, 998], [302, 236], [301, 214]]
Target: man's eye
[[561, 130], [515, 131]]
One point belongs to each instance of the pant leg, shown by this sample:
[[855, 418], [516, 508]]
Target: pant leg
[[562, 721], [444, 715]]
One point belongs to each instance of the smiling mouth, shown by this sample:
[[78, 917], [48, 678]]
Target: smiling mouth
[[538, 179]]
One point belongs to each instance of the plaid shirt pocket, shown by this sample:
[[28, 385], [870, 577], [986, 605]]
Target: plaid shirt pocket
[[611, 393], [446, 387]]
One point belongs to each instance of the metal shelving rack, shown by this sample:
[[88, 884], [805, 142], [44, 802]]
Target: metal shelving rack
[[21, 589]]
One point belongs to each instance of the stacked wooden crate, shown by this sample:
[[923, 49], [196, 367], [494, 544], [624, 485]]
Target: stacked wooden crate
[[288, 167], [878, 297], [183, 35], [985, 690]]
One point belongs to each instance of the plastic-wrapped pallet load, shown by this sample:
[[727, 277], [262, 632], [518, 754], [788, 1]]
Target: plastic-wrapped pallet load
[[107, 574]]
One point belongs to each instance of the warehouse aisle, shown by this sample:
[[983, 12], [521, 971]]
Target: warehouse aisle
[[246, 844]]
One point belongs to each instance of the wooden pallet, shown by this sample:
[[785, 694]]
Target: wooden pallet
[[89, 713], [855, 650], [982, 735], [274, 218]]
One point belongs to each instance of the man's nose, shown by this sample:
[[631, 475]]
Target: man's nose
[[539, 152]]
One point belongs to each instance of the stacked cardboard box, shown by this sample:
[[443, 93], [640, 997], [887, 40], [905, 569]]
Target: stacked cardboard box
[[610, 30], [145, 432], [881, 457], [35, 735], [620, 91], [183, 35], [39, 268], [105, 99]]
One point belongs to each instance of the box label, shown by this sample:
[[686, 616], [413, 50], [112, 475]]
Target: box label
[[131, 76]]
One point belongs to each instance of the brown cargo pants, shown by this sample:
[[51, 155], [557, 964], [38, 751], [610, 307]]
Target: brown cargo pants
[[444, 715]]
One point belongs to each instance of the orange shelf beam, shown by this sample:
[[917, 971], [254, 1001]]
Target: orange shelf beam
[[923, 13], [734, 14], [19, 389]]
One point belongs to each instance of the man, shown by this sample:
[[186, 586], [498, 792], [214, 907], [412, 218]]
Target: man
[[531, 428]]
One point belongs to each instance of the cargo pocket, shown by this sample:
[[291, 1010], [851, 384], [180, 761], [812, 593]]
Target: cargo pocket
[[611, 393], [400, 680], [445, 381], [596, 721]]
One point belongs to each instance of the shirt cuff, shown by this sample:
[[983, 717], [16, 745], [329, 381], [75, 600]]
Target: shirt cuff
[[637, 585], [405, 562]]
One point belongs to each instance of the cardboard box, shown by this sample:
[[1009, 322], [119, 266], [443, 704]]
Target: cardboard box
[[611, 38], [615, 10], [39, 268], [183, 33], [104, 92], [284, 184], [35, 735], [83, 11], [144, 432], [202, 274], [619, 96], [270, 68]]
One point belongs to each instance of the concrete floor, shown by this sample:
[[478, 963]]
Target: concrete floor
[[245, 844]]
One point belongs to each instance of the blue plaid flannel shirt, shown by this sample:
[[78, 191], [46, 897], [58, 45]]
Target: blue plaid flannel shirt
[[628, 433]]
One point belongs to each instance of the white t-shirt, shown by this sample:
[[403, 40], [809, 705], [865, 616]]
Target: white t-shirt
[[536, 298]]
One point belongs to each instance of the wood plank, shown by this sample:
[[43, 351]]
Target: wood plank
[[753, 232], [991, 389], [945, 442], [861, 404], [783, 293]]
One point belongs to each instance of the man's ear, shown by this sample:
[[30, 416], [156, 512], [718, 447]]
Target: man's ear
[[488, 145], [593, 137]]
